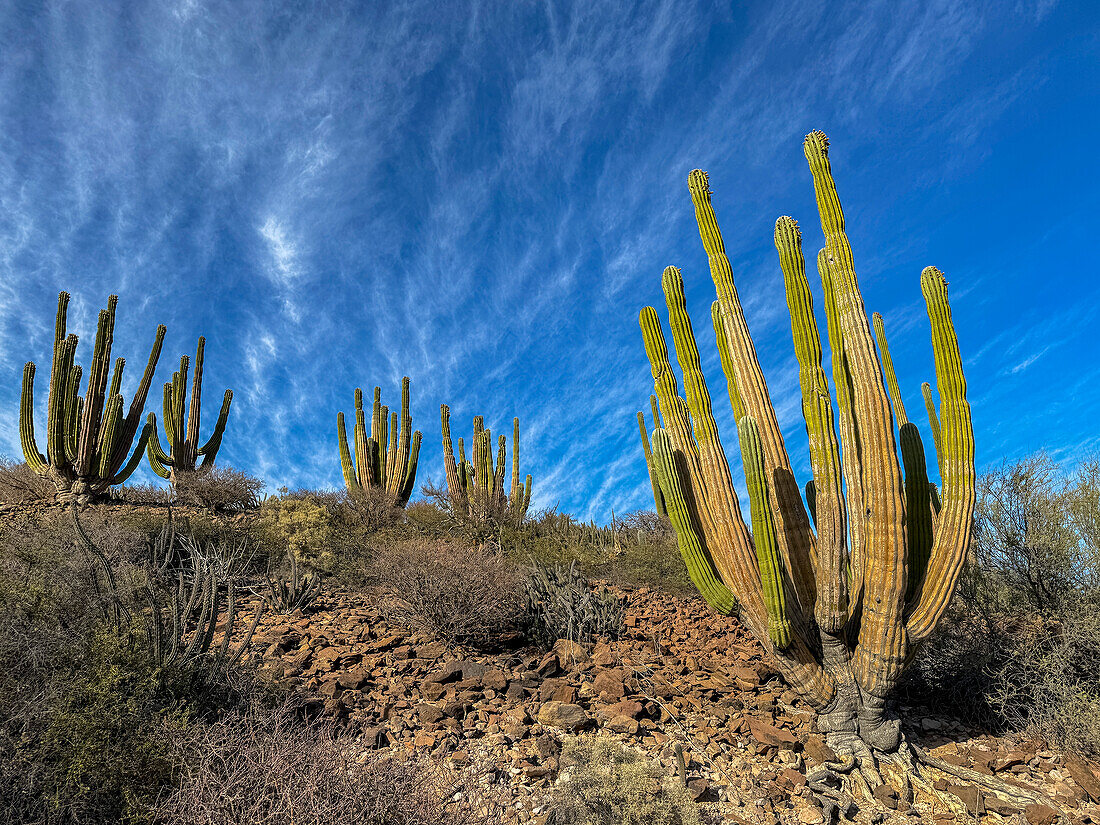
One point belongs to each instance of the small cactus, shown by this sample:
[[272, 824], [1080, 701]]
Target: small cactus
[[183, 433], [87, 438], [476, 489], [386, 459]]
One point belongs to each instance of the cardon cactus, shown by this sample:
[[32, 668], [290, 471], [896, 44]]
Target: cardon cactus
[[475, 489], [385, 461], [843, 600], [182, 432], [87, 438]]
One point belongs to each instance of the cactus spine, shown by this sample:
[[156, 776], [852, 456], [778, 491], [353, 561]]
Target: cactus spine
[[475, 488], [386, 460], [183, 433], [87, 437], [842, 589]]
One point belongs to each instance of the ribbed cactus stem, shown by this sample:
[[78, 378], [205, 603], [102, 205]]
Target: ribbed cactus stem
[[763, 534], [888, 369], [658, 499], [933, 418], [704, 575], [830, 518]]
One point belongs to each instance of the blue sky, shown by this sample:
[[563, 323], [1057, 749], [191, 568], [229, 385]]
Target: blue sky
[[482, 196]]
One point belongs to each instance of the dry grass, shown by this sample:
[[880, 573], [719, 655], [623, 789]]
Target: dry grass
[[462, 595], [271, 768]]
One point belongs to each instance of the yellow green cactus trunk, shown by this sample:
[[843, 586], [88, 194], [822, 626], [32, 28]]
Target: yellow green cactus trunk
[[88, 438], [844, 587]]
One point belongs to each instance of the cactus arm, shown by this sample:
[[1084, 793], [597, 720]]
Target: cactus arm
[[502, 466], [515, 490], [110, 431], [96, 394], [64, 351], [350, 479], [918, 509], [391, 454], [795, 536], [456, 488], [880, 654], [933, 419], [135, 459], [159, 461], [137, 405], [526, 497], [738, 570], [116, 379], [74, 407], [658, 500], [209, 450], [727, 361], [763, 534], [850, 454], [830, 518], [955, 521], [888, 369], [729, 539], [700, 565], [810, 493], [35, 460], [401, 462], [410, 474], [194, 412]]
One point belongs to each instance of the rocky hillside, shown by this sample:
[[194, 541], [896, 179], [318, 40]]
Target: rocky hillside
[[679, 674]]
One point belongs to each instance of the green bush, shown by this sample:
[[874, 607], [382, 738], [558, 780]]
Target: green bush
[[604, 783]]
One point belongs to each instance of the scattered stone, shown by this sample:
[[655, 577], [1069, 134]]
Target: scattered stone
[[562, 715]]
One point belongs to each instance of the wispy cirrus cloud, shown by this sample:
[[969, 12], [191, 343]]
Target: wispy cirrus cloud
[[482, 197]]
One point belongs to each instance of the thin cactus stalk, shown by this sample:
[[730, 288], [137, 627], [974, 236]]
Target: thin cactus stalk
[[476, 488], [385, 461], [182, 432], [88, 438], [843, 588], [658, 498]]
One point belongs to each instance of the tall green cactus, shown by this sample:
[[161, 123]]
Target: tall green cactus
[[87, 438], [182, 432], [476, 489], [385, 461], [844, 598]]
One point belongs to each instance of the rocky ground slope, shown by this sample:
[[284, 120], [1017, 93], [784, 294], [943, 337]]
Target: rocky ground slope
[[679, 674]]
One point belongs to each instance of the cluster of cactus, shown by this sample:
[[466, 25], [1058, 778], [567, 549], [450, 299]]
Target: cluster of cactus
[[297, 592], [183, 586], [843, 591], [183, 434], [385, 461], [476, 490], [87, 437], [563, 604]]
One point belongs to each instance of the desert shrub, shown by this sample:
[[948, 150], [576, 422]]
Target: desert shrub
[[273, 767], [19, 484], [1019, 649], [563, 604], [1048, 683], [303, 525], [462, 595], [221, 489], [603, 782]]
